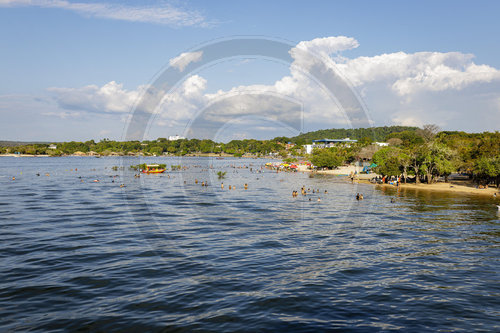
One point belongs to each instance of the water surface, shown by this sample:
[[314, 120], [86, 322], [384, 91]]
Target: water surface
[[165, 253]]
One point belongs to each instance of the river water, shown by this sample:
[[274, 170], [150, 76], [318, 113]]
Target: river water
[[164, 253]]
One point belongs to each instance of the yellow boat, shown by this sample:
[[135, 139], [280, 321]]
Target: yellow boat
[[153, 168]]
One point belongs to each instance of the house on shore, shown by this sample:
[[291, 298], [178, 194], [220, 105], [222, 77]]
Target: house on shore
[[328, 143]]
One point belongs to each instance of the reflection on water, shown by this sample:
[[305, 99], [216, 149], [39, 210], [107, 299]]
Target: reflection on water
[[167, 253]]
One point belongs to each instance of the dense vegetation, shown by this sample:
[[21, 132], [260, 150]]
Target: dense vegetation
[[373, 134], [417, 154], [155, 147], [425, 155], [431, 154]]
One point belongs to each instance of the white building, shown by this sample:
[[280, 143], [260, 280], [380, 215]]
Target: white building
[[382, 144], [175, 137], [327, 143]]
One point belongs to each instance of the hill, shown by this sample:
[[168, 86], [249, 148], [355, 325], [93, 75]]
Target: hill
[[374, 133], [20, 143]]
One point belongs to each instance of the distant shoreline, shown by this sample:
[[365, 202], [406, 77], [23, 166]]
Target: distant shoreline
[[118, 155]]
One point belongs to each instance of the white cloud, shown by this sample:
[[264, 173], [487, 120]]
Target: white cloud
[[185, 101], [184, 59], [327, 45], [160, 14], [110, 98], [62, 115], [422, 71], [399, 88]]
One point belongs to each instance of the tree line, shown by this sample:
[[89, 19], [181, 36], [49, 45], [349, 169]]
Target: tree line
[[153, 147], [416, 154], [425, 155]]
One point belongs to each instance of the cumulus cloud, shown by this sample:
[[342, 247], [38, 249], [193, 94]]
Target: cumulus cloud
[[164, 14], [411, 73], [110, 98], [184, 59], [399, 88]]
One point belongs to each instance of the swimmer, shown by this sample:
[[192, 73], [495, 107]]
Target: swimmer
[[13, 178], [196, 181], [122, 185], [319, 199], [230, 187], [393, 200], [222, 185], [246, 186], [326, 191]]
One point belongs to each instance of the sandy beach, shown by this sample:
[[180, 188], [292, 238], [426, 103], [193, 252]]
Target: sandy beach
[[456, 186], [453, 186]]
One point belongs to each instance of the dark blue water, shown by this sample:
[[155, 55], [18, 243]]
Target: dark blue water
[[166, 254]]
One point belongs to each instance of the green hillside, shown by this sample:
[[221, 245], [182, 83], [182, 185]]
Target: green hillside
[[374, 133]]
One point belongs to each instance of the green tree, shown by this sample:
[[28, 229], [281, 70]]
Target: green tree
[[487, 169], [326, 158], [388, 162]]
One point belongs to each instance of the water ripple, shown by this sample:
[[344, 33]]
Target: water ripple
[[163, 256]]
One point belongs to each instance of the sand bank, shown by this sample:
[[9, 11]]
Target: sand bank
[[456, 186]]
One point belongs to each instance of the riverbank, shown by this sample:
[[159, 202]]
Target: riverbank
[[459, 186], [22, 155], [344, 170], [454, 186]]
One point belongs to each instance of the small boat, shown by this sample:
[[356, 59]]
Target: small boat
[[153, 168]]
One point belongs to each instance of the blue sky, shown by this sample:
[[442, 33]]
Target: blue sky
[[72, 70]]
